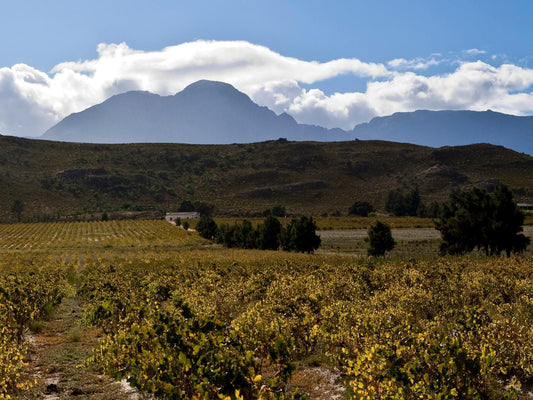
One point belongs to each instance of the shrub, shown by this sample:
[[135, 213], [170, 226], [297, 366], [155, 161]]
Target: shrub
[[361, 208], [380, 239]]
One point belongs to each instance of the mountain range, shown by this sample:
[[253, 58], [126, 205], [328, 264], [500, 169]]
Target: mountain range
[[210, 112]]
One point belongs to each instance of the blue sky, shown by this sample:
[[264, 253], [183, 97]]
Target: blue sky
[[415, 54]]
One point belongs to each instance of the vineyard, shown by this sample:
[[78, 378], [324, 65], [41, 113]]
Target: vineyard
[[94, 234], [177, 319]]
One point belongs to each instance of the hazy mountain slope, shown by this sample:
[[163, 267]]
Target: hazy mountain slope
[[307, 177], [442, 128], [205, 112]]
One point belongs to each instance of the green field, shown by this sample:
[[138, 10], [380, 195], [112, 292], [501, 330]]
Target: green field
[[88, 306]]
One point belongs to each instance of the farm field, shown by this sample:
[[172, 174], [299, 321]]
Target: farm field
[[87, 307], [410, 242]]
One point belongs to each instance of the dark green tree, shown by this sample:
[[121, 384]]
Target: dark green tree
[[186, 206], [228, 235], [403, 204], [207, 227], [17, 209], [300, 235], [204, 208], [268, 234], [477, 219], [247, 236], [276, 211], [380, 239], [361, 208]]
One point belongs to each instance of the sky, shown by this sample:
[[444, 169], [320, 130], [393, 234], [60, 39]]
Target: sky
[[334, 64]]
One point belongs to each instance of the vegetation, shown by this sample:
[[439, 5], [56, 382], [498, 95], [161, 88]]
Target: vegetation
[[226, 323], [300, 235], [268, 234], [78, 181], [361, 208], [479, 219], [17, 209], [276, 211], [207, 227], [403, 204], [380, 239]]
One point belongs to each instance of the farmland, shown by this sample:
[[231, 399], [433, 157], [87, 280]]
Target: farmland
[[87, 303]]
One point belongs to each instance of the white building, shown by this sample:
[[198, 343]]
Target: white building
[[173, 216]]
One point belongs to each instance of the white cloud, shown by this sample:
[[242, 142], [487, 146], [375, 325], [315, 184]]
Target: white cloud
[[31, 100], [475, 52], [416, 63]]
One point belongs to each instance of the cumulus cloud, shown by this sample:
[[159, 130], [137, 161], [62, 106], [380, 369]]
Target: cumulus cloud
[[31, 100]]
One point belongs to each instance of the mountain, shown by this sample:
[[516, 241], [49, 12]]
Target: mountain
[[65, 179], [451, 128], [210, 112], [205, 112]]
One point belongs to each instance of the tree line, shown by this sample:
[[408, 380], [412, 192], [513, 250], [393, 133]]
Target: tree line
[[299, 235]]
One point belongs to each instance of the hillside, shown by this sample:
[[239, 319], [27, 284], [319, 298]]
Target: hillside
[[204, 112], [440, 128], [54, 178]]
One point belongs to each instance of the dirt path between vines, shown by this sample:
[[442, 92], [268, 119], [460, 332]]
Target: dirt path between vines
[[57, 354], [56, 358]]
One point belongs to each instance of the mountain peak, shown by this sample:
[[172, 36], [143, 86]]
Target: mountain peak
[[205, 112], [205, 84]]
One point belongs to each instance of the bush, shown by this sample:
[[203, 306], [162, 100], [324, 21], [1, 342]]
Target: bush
[[276, 211], [361, 208], [380, 239]]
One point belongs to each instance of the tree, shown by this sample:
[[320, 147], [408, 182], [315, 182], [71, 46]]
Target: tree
[[300, 235], [247, 236], [17, 209], [402, 204], [268, 234], [207, 227], [186, 206], [476, 219], [380, 239], [276, 211], [361, 208]]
